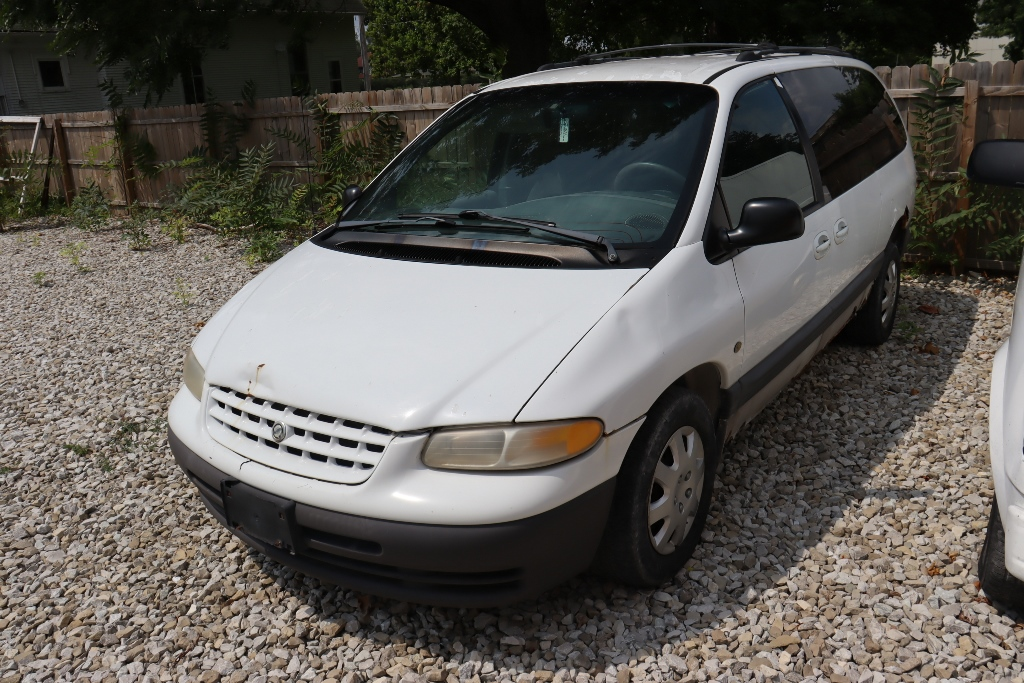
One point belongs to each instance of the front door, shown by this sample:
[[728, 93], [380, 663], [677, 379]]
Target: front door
[[784, 284]]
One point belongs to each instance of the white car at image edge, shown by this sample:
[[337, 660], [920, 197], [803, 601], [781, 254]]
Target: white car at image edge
[[519, 351], [1001, 565]]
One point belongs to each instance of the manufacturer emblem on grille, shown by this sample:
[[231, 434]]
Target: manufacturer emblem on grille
[[277, 432]]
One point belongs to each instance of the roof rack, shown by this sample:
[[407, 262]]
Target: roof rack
[[745, 52]]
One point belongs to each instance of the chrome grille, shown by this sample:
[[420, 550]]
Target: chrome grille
[[315, 445]]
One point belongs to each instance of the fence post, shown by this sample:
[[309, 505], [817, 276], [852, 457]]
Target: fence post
[[970, 121], [967, 137], [67, 180]]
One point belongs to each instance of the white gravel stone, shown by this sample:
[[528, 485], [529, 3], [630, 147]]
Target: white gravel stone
[[842, 542]]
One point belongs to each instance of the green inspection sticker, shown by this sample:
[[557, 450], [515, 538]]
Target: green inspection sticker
[[563, 130]]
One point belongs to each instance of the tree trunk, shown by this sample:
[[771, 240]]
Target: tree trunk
[[521, 27]]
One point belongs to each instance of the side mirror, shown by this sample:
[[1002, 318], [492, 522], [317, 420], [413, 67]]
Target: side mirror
[[351, 193], [766, 220], [998, 162]]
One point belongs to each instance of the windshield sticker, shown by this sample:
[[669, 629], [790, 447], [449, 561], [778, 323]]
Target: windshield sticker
[[563, 130]]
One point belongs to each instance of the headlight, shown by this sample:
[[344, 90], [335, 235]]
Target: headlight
[[511, 447], [194, 375]]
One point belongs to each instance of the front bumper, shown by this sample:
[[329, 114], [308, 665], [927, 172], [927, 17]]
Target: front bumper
[[1006, 434], [446, 565]]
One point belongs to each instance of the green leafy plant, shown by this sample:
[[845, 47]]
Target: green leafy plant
[[133, 230], [341, 155], [944, 205], [131, 155], [73, 252], [20, 183], [245, 199], [243, 195], [1003, 221], [182, 292], [39, 279], [90, 210], [80, 451], [125, 435], [176, 228]]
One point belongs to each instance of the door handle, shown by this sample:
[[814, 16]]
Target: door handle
[[842, 230], [822, 243]]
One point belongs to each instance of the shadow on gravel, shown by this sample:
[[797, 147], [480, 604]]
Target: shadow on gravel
[[788, 479]]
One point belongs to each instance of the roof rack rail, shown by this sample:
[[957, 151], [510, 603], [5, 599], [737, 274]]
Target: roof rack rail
[[745, 52]]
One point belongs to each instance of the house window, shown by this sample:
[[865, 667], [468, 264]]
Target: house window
[[334, 75], [51, 73], [192, 82], [298, 69]]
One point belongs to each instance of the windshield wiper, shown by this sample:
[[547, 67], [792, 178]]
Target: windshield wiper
[[544, 226], [524, 225], [402, 221]]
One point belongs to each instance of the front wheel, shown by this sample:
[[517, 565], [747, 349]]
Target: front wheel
[[663, 493], [1000, 585], [874, 321]]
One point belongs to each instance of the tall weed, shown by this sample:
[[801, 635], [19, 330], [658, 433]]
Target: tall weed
[[246, 197], [341, 155], [943, 203], [90, 210]]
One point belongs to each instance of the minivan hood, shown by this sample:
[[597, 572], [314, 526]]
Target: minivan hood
[[405, 345]]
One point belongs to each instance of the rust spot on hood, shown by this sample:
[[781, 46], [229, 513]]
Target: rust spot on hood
[[254, 380]]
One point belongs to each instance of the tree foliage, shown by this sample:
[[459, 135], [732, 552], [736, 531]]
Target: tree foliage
[[416, 36], [1000, 18], [879, 31]]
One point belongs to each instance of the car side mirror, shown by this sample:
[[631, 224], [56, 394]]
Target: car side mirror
[[351, 193], [998, 162], [766, 220]]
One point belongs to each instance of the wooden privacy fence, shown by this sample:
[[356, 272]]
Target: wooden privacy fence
[[78, 144], [993, 108]]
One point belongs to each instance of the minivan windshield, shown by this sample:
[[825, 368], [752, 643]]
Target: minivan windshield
[[619, 160]]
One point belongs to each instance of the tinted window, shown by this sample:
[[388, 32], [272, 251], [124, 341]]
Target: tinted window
[[852, 123], [763, 156], [620, 160]]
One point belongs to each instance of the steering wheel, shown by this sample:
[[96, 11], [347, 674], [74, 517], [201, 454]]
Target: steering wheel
[[641, 169]]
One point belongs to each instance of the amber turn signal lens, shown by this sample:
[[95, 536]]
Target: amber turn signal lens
[[511, 447]]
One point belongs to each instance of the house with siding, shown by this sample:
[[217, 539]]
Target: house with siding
[[35, 80]]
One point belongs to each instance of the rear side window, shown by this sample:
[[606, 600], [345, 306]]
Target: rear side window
[[853, 125], [763, 156]]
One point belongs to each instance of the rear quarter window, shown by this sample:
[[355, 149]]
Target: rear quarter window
[[852, 123]]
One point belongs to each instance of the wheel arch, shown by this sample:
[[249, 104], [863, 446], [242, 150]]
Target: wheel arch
[[900, 234], [705, 380]]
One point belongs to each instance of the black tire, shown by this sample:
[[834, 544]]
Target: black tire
[[1000, 586], [874, 321], [677, 427]]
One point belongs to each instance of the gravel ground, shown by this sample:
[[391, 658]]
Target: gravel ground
[[842, 544]]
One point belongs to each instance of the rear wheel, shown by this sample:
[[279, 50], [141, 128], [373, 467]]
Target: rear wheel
[[874, 321], [1000, 585], [663, 493]]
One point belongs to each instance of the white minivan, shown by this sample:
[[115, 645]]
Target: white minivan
[[518, 352], [1001, 562]]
